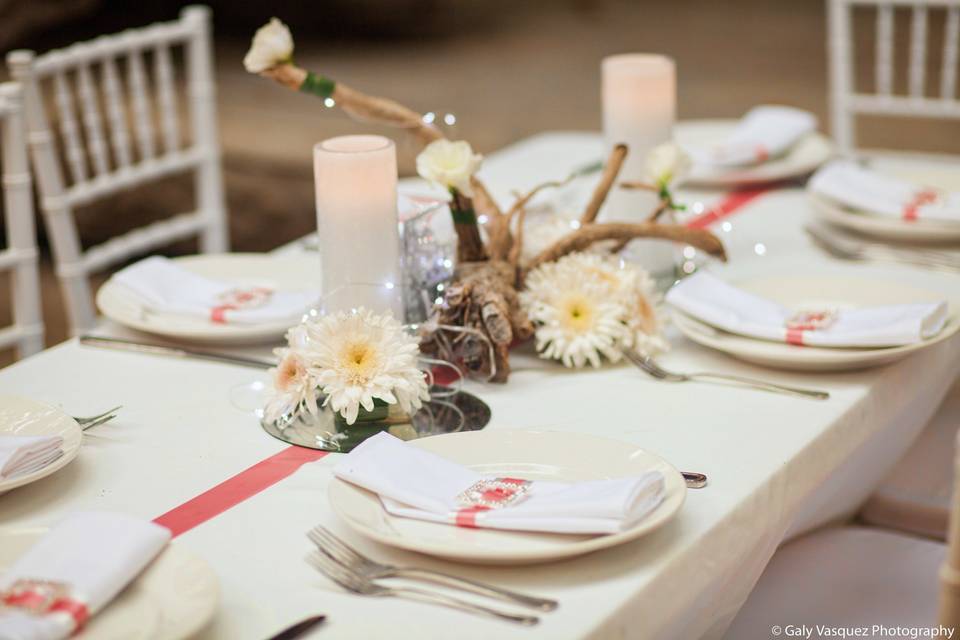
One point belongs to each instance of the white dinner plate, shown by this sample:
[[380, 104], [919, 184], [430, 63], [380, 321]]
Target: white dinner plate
[[293, 273], [819, 291], [803, 158], [25, 417], [174, 597], [884, 227], [534, 455]]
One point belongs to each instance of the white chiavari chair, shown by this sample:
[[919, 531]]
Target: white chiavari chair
[[20, 255], [853, 576], [107, 152], [847, 100]]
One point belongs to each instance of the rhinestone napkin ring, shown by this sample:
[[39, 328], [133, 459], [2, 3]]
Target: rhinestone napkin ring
[[493, 493], [35, 596], [811, 320]]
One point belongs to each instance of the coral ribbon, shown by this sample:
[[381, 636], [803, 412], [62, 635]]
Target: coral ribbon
[[468, 517], [727, 206], [235, 490], [911, 210]]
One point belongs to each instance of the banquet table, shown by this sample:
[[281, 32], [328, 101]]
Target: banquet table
[[778, 465]]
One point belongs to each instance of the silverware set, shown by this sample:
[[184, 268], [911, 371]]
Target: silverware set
[[361, 574], [845, 247], [648, 365]]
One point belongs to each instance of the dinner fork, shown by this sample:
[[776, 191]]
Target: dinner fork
[[856, 250], [342, 553], [361, 585], [647, 364], [93, 421]]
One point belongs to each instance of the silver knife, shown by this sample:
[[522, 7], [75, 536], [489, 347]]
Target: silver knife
[[298, 629], [120, 344]]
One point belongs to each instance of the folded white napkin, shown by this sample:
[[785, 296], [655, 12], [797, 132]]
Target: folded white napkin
[[413, 483], [866, 191], [95, 554], [165, 287], [717, 303], [765, 132], [20, 455]]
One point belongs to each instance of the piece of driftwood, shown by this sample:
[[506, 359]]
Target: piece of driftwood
[[488, 275]]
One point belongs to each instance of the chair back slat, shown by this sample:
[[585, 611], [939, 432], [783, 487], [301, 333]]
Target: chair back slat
[[166, 94], [847, 101], [70, 132], [26, 334], [138, 106], [116, 114], [951, 45], [140, 100], [918, 50], [92, 123], [884, 53]]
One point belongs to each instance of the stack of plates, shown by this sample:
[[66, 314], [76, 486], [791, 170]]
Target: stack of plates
[[803, 158], [819, 291], [532, 455], [931, 172]]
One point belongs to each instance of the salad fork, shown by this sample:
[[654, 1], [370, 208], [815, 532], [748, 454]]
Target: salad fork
[[648, 365], [345, 555], [846, 248], [93, 421], [361, 585]]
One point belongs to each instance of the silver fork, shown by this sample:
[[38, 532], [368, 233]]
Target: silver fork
[[849, 249], [93, 421], [342, 553], [647, 364], [356, 583]]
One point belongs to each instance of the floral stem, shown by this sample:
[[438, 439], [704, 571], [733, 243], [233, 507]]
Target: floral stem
[[469, 243]]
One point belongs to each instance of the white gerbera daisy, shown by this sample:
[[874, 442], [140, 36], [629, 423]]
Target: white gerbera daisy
[[293, 387], [588, 305], [356, 357], [577, 319]]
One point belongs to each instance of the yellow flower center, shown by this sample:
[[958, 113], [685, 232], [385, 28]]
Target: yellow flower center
[[359, 362], [577, 314]]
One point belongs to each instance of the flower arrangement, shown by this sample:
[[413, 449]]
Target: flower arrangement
[[587, 305], [356, 361], [485, 297]]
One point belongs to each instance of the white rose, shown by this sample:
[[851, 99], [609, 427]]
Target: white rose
[[272, 44], [450, 164], [666, 163]]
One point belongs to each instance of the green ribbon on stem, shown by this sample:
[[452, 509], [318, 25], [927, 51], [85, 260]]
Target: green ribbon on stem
[[318, 85]]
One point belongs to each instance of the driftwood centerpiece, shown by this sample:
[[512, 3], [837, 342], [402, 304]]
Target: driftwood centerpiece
[[489, 273]]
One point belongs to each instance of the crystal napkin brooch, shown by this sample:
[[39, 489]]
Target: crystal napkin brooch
[[493, 493]]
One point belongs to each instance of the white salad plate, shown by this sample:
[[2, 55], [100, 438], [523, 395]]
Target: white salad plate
[[819, 291], [533, 455], [803, 158], [25, 417], [289, 272], [174, 597]]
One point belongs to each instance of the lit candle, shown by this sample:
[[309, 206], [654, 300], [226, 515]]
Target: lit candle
[[356, 184], [639, 106]]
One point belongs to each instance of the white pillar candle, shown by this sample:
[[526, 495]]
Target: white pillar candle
[[356, 185], [639, 106]]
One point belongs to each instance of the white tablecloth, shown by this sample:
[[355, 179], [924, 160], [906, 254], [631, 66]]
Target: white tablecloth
[[776, 464]]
